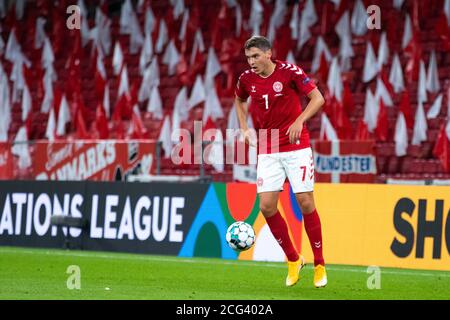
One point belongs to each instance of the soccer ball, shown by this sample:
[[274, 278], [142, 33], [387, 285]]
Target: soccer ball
[[240, 236]]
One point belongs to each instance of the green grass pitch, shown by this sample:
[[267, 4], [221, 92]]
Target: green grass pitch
[[42, 274]]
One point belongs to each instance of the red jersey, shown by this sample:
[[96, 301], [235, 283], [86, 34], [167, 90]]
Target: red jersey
[[275, 103]]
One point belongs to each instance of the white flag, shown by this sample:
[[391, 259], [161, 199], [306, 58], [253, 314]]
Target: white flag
[[124, 87], [401, 136], [327, 131], [308, 19], [51, 126], [436, 107], [154, 105], [198, 45], [63, 117], [178, 8], [5, 106], [40, 36], [371, 110], [334, 81], [106, 101], [47, 54], [290, 58], [370, 64], [146, 53], [396, 75], [383, 51], [213, 68], [215, 156], [125, 17], [359, 19], [150, 80], [294, 23], [117, 58], [256, 17], [398, 4], [26, 103], [212, 109], [407, 32], [420, 126], [433, 85], [447, 10], [165, 136], [183, 28], [383, 93], [20, 148], [198, 94], [150, 20], [422, 84], [345, 48], [181, 105], [171, 58], [136, 36], [163, 37], [321, 46]]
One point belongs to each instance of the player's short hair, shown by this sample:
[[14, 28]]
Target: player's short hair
[[259, 42]]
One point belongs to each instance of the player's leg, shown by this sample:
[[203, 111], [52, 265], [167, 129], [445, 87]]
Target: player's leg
[[271, 176], [313, 229], [300, 170]]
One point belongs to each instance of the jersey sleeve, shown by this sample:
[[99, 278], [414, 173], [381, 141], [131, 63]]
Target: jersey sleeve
[[302, 82], [241, 90]]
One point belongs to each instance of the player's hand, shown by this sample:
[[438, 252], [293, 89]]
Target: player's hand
[[294, 131], [250, 137]]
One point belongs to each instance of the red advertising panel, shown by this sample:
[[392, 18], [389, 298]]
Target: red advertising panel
[[345, 161], [106, 160]]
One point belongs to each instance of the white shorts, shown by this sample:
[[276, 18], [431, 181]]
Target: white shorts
[[297, 166]]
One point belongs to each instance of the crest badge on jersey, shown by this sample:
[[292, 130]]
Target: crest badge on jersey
[[278, 86]]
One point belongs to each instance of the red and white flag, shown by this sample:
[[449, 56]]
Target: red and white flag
[[124, 86], [307, 20], [383, 93], [5, 106], [441, 149], [345, 48], [371, 109], [334, 83]]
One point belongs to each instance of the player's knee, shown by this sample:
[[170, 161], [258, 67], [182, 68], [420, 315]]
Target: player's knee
[[306, 204], [268, 209]]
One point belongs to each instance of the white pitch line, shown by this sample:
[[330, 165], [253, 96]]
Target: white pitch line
[[244, 263]]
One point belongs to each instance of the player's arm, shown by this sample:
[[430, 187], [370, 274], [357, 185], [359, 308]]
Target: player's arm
[[316, 101], [242, 113]]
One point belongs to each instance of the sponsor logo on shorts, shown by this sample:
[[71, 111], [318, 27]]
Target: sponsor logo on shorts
[[260, 182]]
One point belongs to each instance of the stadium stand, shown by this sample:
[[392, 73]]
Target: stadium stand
[[76, 69]]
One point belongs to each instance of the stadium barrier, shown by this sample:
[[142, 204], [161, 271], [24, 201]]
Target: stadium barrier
[[382, 225]]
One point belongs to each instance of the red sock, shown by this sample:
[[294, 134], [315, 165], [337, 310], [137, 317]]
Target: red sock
[[314, 231], [280, 231]]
